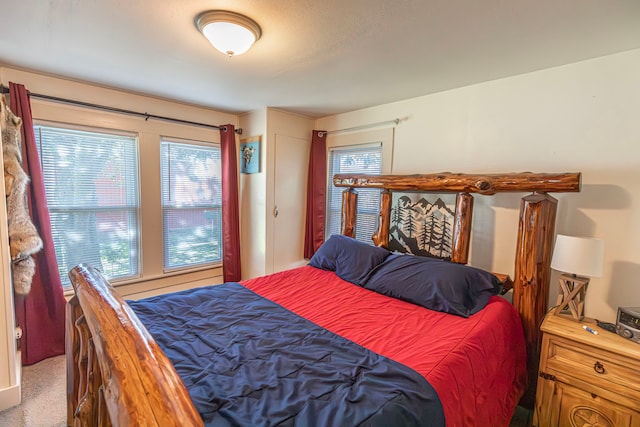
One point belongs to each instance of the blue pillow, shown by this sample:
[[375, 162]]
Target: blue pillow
[[350, 259], [434, 284]]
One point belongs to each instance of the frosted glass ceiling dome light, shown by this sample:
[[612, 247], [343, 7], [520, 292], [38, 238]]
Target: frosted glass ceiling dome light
[[229, 32]]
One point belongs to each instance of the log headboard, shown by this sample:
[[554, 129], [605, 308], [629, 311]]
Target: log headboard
[[535, 236]]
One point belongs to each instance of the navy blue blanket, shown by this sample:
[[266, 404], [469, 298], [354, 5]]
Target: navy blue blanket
[[247, 361]]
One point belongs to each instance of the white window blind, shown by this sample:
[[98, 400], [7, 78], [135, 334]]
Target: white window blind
[[191, 204], [91, 183], [360, 159]]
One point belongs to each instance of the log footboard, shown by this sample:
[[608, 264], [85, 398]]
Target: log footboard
[[116, 373]]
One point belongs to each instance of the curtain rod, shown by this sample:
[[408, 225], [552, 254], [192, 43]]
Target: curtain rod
[[147, 116], [370, 125]]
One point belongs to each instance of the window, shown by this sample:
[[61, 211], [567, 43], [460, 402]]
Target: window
[[91, 183], [361, 159], [191, 204]]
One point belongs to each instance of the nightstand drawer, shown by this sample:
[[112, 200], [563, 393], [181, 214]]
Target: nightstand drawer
[[595, 367]]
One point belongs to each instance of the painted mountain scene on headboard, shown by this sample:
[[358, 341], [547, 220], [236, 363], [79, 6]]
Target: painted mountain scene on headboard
[[420, 226]]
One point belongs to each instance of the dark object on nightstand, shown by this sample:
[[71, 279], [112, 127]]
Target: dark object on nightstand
[[606, 326]]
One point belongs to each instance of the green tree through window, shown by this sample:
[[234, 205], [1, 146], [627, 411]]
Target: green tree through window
[[91, 183], [191, 204]]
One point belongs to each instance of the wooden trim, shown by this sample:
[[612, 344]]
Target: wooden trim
[[466, 183]]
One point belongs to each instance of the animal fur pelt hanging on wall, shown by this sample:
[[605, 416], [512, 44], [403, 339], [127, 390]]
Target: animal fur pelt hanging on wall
[[24, 240]]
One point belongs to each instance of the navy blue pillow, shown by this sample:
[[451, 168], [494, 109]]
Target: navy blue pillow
[[434, 284], [350, 259]]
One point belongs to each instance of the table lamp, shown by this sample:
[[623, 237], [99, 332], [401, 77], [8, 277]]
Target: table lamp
[[578, 258]]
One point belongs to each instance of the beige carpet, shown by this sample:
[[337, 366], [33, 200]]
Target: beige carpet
[[44, 400]]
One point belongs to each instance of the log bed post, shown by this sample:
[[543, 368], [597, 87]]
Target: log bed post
[[536, 230], [461, 237], [381, 235], [349, 210]]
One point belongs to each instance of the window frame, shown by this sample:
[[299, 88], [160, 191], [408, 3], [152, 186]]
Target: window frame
[[365, 210], [200, 266], [125, 209], [382, 135]]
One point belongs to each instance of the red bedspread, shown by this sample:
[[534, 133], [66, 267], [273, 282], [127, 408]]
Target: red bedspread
[[476, 365]]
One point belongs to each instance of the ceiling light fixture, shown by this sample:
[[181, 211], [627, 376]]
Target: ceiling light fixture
[[229, 32]]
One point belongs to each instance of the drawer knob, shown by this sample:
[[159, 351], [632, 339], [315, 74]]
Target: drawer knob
[[598, 367]]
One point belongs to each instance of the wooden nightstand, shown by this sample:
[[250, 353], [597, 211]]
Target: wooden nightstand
[[586, 379]]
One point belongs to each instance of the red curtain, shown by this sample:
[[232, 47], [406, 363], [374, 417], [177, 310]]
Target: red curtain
[[41, 313], [316, 189], [230, 211]]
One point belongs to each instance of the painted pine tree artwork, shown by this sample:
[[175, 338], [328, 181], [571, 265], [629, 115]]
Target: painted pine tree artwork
[[421, 227]]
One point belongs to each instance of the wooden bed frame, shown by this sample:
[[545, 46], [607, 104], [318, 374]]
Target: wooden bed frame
[[117, 374]]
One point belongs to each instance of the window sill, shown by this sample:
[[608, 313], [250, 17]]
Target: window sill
[[164, 283]]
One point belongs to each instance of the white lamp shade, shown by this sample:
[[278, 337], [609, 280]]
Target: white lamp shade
[[582, 256]]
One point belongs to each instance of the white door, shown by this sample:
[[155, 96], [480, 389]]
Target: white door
[[290, 179]]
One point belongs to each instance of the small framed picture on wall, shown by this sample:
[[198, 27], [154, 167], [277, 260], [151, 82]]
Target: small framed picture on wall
[[250, 155]]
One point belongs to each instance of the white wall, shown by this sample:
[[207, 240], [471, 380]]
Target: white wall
[[581, 117], [252, 199]]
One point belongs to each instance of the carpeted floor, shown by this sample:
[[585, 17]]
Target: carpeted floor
[[44, 400]]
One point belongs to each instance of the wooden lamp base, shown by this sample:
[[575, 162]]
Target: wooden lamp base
[[573, 290]]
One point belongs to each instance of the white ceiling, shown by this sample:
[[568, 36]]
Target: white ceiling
[[315, 57]]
